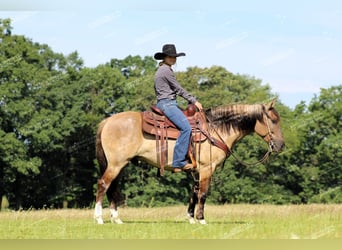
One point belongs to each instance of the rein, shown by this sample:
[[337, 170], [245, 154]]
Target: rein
[[247, 164]]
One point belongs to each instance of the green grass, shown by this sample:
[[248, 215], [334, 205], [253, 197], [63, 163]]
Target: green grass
[[224, 222]]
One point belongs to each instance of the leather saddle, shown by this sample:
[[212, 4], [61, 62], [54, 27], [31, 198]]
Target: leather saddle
[[155, 123]]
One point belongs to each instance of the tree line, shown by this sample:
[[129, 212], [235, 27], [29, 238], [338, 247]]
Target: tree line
[[51, 104]]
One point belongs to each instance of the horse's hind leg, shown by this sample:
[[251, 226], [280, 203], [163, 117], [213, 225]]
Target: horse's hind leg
[[114, 198], [103, 185]]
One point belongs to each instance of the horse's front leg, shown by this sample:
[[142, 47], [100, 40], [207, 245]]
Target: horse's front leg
[[205, 177], [192, 202]]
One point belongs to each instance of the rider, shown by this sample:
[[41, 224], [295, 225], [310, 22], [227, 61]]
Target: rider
[[166, 89]]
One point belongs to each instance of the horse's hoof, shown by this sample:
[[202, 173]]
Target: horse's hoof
[[99, 220], [116, 220], [192, 221], [203, 222]]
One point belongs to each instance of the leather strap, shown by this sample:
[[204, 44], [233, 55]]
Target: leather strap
[[217, 143]]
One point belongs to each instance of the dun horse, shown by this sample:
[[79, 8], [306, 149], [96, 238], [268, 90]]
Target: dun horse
[[120, 139]]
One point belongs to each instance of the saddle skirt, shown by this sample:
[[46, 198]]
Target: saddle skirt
[[156, 123]]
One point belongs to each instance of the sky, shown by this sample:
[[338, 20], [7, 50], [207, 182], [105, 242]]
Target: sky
[[293, 46]]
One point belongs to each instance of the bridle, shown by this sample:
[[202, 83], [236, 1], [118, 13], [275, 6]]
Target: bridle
[[269, 133], [228, 150], [267, 154]]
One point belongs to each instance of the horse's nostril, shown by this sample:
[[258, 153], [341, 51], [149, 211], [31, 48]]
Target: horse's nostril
[[278, 146], [282, 146]]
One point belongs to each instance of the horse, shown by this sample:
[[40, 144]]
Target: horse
[[120, 139]]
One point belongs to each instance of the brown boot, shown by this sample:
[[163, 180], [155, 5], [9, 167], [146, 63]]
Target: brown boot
[[187, 167]]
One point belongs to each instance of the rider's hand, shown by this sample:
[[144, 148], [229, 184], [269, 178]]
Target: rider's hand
[[199, 106]]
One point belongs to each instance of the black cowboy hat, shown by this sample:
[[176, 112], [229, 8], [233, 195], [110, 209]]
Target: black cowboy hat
[[168, 50]]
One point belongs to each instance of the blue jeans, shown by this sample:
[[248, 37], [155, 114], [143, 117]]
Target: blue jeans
[[171, 110]]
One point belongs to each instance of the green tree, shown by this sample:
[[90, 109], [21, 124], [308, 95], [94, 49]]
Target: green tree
[[50, 106], [5, 27], [323, 141]]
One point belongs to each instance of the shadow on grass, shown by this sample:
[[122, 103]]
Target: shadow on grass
[[181, 222]]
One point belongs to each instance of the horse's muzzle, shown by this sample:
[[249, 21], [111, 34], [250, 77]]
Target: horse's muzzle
[[277, 145]]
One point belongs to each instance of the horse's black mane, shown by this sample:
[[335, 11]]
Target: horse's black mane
[[240, 117]]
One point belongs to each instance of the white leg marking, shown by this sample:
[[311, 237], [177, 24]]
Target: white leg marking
[[191, 219], [202, 222], [98, 213], [114, 216]]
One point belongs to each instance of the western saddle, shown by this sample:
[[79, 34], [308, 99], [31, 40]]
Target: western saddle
[[155, 123]]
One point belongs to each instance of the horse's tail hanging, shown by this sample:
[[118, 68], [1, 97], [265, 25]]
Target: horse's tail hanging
[[100, 155]]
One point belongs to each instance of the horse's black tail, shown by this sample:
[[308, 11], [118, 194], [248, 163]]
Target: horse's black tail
[[100, 155]]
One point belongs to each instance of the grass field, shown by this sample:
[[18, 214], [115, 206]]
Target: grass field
[[224, 222]]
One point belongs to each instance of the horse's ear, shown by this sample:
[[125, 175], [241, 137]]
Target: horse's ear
[[271, 104]]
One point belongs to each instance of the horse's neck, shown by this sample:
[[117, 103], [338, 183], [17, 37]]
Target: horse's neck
[[232, 137], [242, 120]]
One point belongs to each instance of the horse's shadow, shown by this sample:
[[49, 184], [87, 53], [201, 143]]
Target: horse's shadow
[[182, 222]]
